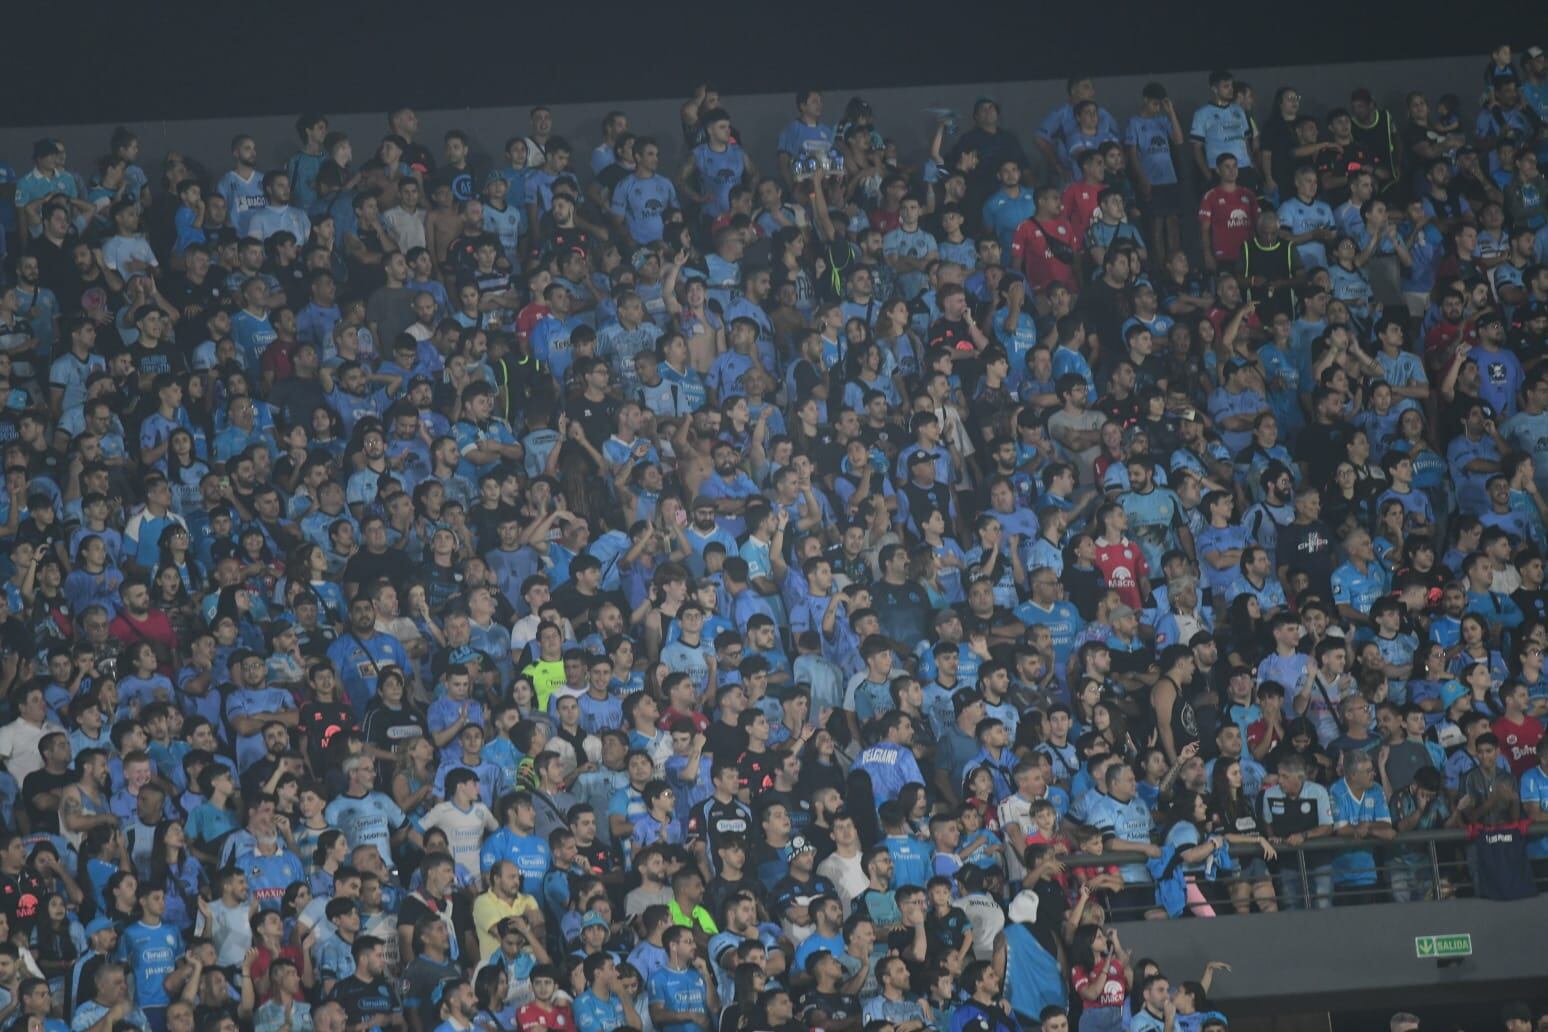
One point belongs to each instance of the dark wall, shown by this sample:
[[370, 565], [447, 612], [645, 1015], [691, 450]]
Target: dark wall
[[1339, 959], [899, 114]]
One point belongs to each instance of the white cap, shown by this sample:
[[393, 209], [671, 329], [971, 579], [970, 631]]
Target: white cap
[[1023, 909]]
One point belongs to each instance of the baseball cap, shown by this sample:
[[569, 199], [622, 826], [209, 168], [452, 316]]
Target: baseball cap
[[593, 920], [1533, 53], [1450, 692], [801, 844], [1024, 907], [1118, 612], [946, 615], [1237, 364], [1192, 415], [1490, 318], [98, 924], [703, 502]]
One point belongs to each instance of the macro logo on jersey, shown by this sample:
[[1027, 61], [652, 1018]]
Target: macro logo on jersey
[[26, 905], [1123, 573]]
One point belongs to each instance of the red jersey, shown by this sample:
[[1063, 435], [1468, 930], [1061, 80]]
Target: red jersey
[[1123, 567], [155, 628], [276, 360], [1439, 341], [1115, 987], [528, 317], [1518, 742], [1227, 216], [1219, 316], [1030, 247], [671, 716], [884, 221], [539, 1015], [1080, 205]]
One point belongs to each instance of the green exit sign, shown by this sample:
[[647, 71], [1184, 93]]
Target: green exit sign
[[1440, 947]]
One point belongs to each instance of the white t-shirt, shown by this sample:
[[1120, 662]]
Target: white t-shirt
[[464, 829], [846, 876]]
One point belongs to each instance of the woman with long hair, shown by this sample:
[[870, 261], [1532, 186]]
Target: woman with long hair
[[100, 857], [171, 867], [1282, 152], [170, 594], [238, 603], [491, 986], [898, 344], [1249, 631], [55, 941], [1101, 974], [1344, 504], [1188, 833], [308, 565], [1236, 818], [185, 471], [1390, 533], [413, 783], [1108, 722], [950, 559], [1473, 647], [328, 856], [175, 549], [820, 767]]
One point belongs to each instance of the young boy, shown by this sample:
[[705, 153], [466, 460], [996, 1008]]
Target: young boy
[[1397, 646]]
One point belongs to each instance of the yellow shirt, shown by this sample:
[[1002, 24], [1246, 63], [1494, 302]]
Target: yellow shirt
[[546, 676], [700, 917], [489, 911]]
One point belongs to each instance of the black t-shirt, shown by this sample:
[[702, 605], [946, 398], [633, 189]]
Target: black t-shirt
[[1322, 449], [1308, 548], [415, 906], [365, 1001], [1533, 603], [320, 721], [384, 726], [23, 898], [835, 1006], [951, 333], [152, 362], [889, 436], [365, 567], [598, 418], [756, 772], [1104, 307], [725, 742]]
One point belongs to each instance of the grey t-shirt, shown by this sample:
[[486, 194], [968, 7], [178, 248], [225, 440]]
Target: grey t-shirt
[[1404, 760]]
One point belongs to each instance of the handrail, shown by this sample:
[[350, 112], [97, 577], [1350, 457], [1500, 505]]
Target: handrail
[[1326, 844]]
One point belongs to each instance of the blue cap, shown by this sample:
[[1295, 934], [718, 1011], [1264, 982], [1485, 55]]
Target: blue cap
[[593, 920], [1450, 692], [98, 924]]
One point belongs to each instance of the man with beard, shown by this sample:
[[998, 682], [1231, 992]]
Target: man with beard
[[137, 622]]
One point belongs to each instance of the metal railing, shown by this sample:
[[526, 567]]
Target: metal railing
[[1413, 867]]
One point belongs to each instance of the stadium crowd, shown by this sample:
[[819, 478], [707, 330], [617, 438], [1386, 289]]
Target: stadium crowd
[[577, 594]]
